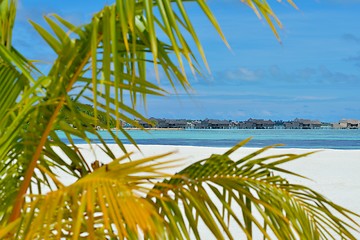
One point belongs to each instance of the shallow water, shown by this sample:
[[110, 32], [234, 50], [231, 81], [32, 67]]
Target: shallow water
[[291, 138]]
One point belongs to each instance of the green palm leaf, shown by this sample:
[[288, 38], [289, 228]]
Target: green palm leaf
[[104, 64], [120, 199], [107, 203], [208, 191]]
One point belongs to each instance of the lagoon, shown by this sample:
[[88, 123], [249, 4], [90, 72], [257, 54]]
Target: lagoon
[[291, 138]]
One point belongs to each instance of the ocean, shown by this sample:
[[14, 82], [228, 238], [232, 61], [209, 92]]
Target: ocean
[[291, 138]]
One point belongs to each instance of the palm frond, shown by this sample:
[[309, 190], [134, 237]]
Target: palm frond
[[211, 190], [263, 9], [107, 203], [104, 63], [7, 19], [120, 199]]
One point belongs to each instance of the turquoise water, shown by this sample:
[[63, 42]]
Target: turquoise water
[[294, 138]]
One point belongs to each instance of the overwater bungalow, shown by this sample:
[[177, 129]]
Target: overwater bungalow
[[257, 124], [211, 124], [303, 124], [169, 123], [218, 124], [347, 124]]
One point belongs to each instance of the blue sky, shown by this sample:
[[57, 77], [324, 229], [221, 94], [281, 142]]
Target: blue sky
[[314, 73]]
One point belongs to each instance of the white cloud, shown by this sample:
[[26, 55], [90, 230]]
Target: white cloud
[[266, 113], [344, 1], [242, 74], [276, 74], [313, 98], [351, 37]]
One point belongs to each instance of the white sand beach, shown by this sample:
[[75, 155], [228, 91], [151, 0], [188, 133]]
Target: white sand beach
[[334, 173]]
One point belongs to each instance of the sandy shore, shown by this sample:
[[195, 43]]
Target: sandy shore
[[334, 173]]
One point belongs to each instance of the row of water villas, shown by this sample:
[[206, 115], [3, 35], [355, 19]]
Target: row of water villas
[[226, 124]]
